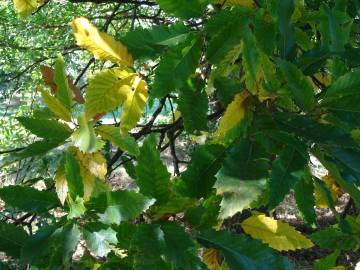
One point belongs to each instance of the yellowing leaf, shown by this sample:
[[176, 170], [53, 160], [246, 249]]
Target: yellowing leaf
[[275, 233], [25, 7], [107, 90], [92, 166], [234, 113], [55, 106], [211, 259], [134, 104], [100, 44], [95, 163], [335, 190], [61, 185], [244, 3], [88, 182], [340, 267]]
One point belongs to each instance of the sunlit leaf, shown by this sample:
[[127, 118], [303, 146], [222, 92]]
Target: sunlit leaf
[[275, 233], [100, 44]]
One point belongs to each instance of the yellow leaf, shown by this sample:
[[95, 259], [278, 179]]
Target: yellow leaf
[[88, 182], [340, 267], [100, 44], [211, 259], [61, 186], [234, 113], [244, 3], [335, 190], [275, 233], [107, 90], [55, 106], [134, 104], [95, 163], [92, 166], [25, 7]]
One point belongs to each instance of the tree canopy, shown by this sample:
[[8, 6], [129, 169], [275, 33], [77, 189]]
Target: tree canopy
[[244, 96]]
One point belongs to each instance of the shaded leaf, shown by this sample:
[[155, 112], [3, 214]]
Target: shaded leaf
[[118, 206], [286, 171], [28, 199], [12, 239], [193, 105], [152, 176], [299, 86], [181, 60], [148, 42], [199, 177], [186, 11], [242, 252]]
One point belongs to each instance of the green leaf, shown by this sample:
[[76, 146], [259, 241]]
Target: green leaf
[[148, 245], [227, 89], [183, 10], [299, 86], [63, 92], [47, 129], [242, 178], [227, 29], [125, 233], [237, 195], [73, 176], [28, 199], [12, 239], [332, 238], [286, 171], [37, 148], [100, 242], [180, 249], [38, 244], [204, 215], [199, 177], [181, 60], [327, 262], [70, 237], [242, 252], [193, 105], [107, 90], [124, 141], [152, 176], [149, 42], [287, 41], [346, 85], [305, 200], [77, 208], [84, 137], [118, 206]]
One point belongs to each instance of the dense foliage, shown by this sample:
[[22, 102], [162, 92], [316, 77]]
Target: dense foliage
[[259, 89]]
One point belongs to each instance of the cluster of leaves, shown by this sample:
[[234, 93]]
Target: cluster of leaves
[[282, 77]]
